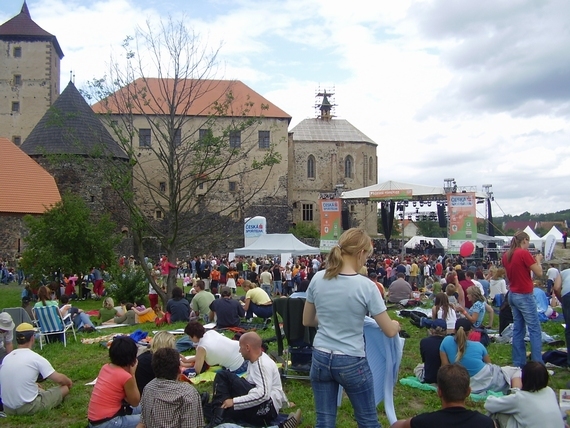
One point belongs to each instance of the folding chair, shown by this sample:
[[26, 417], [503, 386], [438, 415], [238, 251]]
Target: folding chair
[[51, 322], [299, 338], [19, 316]]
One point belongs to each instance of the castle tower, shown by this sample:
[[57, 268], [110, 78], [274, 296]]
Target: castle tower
[[29, 75]]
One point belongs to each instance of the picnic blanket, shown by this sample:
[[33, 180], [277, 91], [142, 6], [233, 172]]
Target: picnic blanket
[[415, 383]]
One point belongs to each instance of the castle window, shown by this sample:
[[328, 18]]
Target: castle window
[[371, 169], [92, 198], [17, 79], [158, 214], [235, 139], [15, 107], [144, 137], [348, 167], [162, 186], [307, 212], [204, 134], [233, 186], [264, 139], [17, 140], [177, 137], [17, 52], [311, 167]]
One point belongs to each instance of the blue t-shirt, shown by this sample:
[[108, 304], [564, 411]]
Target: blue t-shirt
[[341, 304], [472, 359], [478, 307]]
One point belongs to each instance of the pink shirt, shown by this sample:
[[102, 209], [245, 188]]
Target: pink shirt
[[108, 393]]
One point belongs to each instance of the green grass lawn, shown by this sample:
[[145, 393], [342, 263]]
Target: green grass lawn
[[82, 363]]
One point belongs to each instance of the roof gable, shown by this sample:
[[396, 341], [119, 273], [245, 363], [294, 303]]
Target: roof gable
[[71, 127], [23, 28], [319, 130], [519, 225], [27, 188], [201, 94]]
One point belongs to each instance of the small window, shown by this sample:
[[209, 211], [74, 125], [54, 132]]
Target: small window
[[264, 139], [17, 140], [201, 186], [17, 52], [17, 79], [15, 106], [352, 208], [311, 167], [348, 166], [162, 186], [307, 212], [235, 139], [233, 186], [92, 198], [158, 214], [371, 169], [204, 134], [178, 137], [144, 138]]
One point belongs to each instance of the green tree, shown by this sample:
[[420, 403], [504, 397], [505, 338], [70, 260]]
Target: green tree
[[305, 230], [431, 229], [69, 239], [176, 189]]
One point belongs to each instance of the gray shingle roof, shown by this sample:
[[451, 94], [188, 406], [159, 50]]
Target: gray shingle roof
[[71, 127], [329, 130]]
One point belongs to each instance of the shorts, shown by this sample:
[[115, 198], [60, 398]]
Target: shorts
[[44, 400]]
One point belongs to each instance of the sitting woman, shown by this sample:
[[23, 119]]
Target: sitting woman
[[45, 299], [144, 372], [474, 357], [116, 385], [441, 310], [476, 312], [214, 349], [108, 311], [498, 286], [257, 301], [143, 314], [535, 405], [81, 320], [426, 371], [178, 307], [129, 317]]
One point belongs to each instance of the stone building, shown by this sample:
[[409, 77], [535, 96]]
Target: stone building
[[29, 75], [27, 188], [328, 156]]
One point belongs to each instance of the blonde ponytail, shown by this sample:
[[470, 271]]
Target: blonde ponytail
[[350, 243], [461, 340]]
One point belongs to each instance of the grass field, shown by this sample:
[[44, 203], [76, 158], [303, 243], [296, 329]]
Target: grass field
[[82, 363]]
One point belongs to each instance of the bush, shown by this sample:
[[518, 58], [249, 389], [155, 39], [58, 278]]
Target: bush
[[305, 230], [128, 285]]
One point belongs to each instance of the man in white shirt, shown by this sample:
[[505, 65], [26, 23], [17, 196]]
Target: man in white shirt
[[551, 274], [20, 370]]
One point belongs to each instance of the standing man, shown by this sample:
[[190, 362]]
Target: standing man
[[20, 370], [414, 273], [255, 399], [98, 286], [265, 280]]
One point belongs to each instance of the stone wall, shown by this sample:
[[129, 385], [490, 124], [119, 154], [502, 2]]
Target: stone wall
[[12, 232]]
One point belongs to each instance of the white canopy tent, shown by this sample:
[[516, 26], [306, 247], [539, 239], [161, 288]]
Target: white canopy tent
[[418, 191], [277, 243], [415, 240], [534, 238], [556, 233]]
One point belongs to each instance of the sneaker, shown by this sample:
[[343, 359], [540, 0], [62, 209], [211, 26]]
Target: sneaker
[[3, 415], [292, 421]]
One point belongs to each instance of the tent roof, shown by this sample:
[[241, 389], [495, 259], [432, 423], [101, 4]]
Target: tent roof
[[414, 240], [533, 236], [418, 190], [277, 243], [555, 232]]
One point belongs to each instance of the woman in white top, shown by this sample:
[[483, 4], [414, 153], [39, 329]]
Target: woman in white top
[[442, 310], [497, 284]]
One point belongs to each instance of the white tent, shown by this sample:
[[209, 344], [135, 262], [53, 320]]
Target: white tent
[[277, 243], [415, 240], [418, 191], [534, 238], [555, 232]]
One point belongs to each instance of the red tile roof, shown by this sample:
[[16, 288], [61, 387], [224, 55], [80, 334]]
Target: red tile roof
[[519, 225], [22, 27], [27, 188], [202, 94]]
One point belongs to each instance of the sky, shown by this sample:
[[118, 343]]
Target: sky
[[476, 91]]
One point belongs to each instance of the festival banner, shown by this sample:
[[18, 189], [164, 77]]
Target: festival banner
[[330, 223], [393, 195], [462, 209]]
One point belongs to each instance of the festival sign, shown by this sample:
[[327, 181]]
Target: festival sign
[[253, 228], [462, 210], [393, 195], [330, 223]]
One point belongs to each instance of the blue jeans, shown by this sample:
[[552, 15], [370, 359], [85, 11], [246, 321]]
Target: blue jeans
[[328, 371], [128, 421], [265, 311], [266, 288], [184, 344], [81, 320], [525, 315], [566, 313], [278, 287]]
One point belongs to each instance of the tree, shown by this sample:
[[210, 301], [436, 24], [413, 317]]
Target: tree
[[431, 229], [67, 238], [305, 230], [193, 174]]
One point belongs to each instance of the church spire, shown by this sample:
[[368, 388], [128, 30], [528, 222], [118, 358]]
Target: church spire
[[325, 106], [25, 9]]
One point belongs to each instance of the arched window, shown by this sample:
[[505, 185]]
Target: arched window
[[371, 169], [311, 167], [348, 167]]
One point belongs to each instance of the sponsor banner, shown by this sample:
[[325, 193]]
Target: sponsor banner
[[394, 195], [253, 228], [462, 209], [330, 223], [549, 247]]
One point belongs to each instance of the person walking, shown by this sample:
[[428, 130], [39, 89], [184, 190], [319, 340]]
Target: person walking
[[519, 264]]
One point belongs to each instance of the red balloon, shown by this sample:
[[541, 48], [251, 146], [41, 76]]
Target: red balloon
[[466, 249]]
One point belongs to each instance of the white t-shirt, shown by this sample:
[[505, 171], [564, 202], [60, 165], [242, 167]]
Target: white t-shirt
[[552, 273], [451, 317], [6, 337], [479, 286], [221, 350], [19, 373]]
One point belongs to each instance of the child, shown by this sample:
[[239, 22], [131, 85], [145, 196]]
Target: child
[[450, 290]]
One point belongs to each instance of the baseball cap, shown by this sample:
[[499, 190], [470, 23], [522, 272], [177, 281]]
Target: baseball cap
[[24, 327], [439, 323], [6, 322]]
